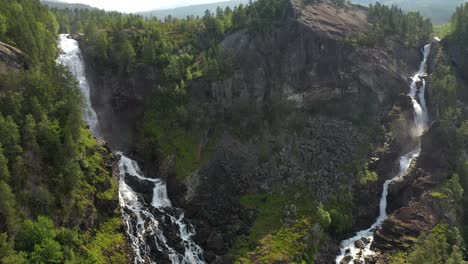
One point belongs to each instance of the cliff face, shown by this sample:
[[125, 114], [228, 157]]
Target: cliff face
[[329, 86], [119, 100], [312, 102]]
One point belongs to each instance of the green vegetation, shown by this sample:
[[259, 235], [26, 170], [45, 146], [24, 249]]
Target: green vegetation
[[53, 173], [410, 29], [274, 235], [460, 23], [182, 50], [433, 248], [366, 176]]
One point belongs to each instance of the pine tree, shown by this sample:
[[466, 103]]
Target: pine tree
[[4, 173]]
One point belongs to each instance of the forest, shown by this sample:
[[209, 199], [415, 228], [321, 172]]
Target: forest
[[52, 171]]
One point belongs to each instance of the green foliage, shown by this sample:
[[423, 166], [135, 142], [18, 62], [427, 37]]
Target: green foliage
[[433, 247], [29, 26], [460, 23], [106, 247], [285, 245], [366, 176], [50, 165], [341, 214], [34, 233], [409, 28], [8, 215], [268, 239]]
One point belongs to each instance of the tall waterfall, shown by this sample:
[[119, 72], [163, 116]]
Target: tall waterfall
[[421, 118], [158, 232]]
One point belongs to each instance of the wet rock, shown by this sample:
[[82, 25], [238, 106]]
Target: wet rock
[[346, 260], [370, 259], [365, 240], [359, 244], [143, 187]]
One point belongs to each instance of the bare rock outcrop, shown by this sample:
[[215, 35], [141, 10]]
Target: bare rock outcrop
[[11, 58]]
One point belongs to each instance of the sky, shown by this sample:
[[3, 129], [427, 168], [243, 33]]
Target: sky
[[140, 5]]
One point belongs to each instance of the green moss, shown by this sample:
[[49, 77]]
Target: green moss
[[439, 195], [108, 244], [285, 245], [183, 144], [268, 239]]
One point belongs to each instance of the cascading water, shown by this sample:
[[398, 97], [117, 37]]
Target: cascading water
[[349, 250], [71, 58], [157, 231]]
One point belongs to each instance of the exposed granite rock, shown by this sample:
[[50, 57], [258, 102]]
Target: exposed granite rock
[[11, 58]]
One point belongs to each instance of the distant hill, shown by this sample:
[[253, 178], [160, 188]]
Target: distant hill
[[439, 11], [196, 10], [63, 5]]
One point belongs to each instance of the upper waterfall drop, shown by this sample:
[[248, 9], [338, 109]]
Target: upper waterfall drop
[[157, 231], [72, 59], [349, 250]]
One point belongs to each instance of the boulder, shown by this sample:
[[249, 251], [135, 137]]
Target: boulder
[[359, 244], [346, 260], [365, 240]]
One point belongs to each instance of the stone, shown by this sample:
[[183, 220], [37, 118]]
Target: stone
[[346, 260], [359, 244], [215, 241], [365, 240]]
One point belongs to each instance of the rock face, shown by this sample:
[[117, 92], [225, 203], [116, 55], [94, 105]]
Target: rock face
[[119, 101], [307, 72], [11, 58], [308, 62]]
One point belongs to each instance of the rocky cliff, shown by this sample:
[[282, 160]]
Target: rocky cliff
[[326, 92], [305, 108]]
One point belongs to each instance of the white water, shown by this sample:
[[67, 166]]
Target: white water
[[144, 223], [71, 58], [421, 119]]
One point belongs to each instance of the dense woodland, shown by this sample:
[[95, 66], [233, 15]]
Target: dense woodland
[[411, 28], [460, 24], [52, 172]]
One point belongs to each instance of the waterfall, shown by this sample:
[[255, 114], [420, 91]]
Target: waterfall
[[158, 232], [72, 59], [349, 251]]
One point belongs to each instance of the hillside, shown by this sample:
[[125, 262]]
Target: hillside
[[194, 10], [63, 5], [438, 11]]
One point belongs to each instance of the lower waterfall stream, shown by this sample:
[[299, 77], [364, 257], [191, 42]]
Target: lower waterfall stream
[[157, 231], [349, 251]]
